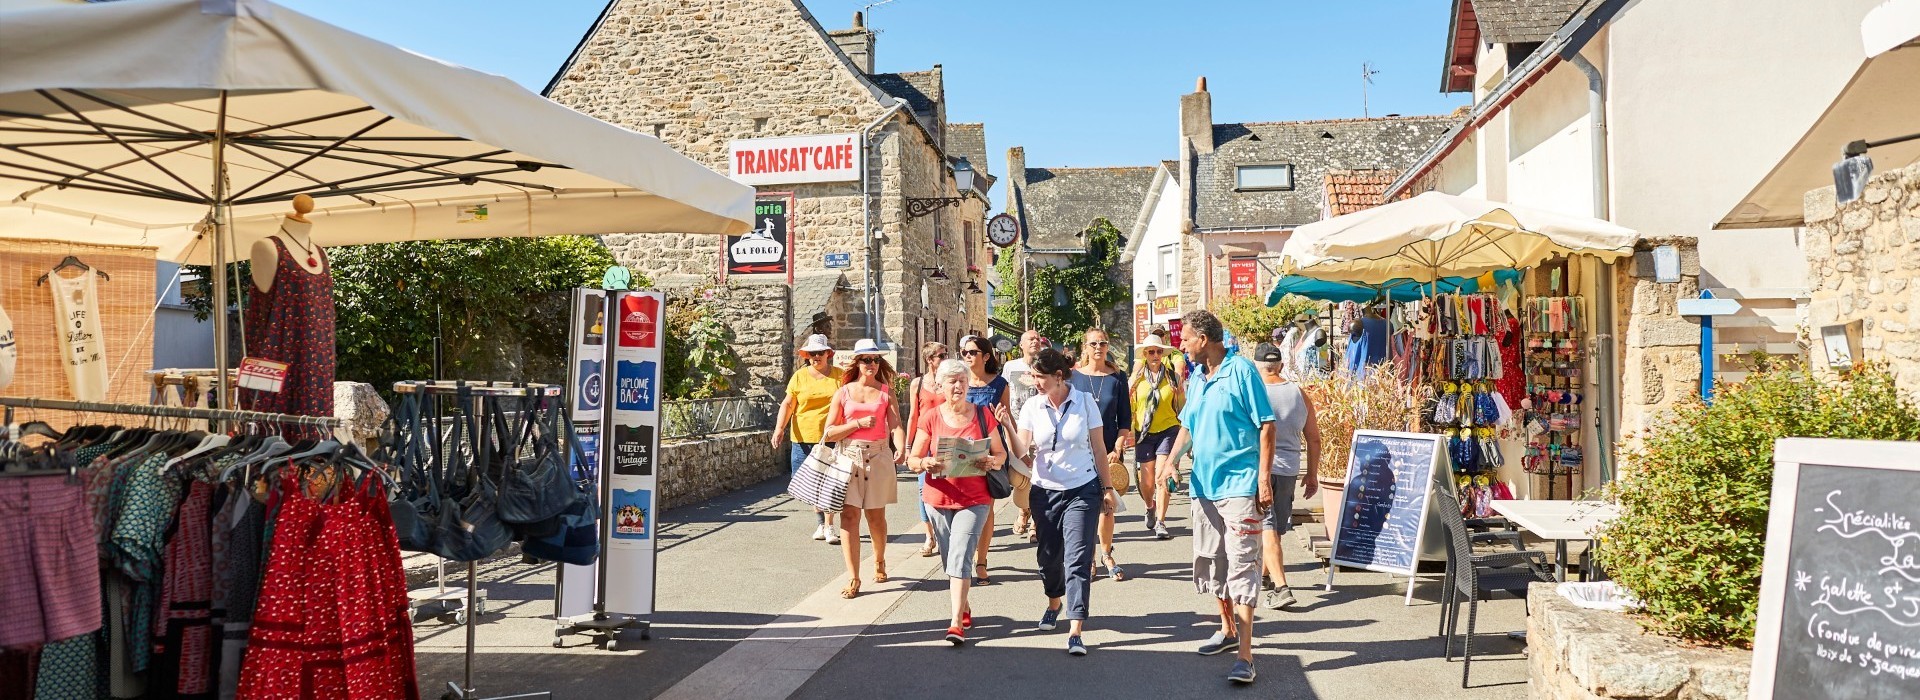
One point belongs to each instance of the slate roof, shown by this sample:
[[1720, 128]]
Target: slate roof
[[1313, 148], [1519, 21], [1057, 204], [1348, 191], [1173, 169], [923, 92], [969, 141], [812, 293]]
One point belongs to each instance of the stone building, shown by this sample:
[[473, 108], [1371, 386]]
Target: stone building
[[711, 76], [1055, 206], [1239, 189]]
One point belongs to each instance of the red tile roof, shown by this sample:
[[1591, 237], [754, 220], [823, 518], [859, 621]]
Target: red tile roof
[[1349, 191]]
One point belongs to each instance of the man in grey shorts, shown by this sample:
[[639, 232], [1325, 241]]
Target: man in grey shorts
[[1296, 455], [1228, 420]]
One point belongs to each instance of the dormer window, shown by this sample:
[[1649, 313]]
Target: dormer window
[[1271, 176]]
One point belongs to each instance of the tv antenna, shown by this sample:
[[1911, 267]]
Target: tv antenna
[[1366, 78]]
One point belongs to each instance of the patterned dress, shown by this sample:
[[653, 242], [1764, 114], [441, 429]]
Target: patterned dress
[[293, 323]]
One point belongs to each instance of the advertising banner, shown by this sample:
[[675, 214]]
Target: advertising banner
[[768, 248], [1243, 275], [632, 443], [586, 397], [787, 160], [1142, 322]]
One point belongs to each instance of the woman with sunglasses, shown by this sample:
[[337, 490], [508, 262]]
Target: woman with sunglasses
[[1070, 491], [988, 390], [809, 393], [1158, 395], [1102, 380], [862, 419], [959, 504], [925, 399]]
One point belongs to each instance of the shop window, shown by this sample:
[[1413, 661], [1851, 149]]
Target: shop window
[[1169, 264], [1274, 176]]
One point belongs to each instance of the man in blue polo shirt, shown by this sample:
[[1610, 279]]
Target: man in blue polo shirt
[[1228, 423]]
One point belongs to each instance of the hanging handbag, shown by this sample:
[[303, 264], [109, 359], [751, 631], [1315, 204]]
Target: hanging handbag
[[821, 481], [577, 540], [413, 504], [469, 529], [999, 481], [537, 489]]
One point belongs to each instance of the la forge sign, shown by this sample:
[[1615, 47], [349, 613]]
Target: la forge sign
[[764, 250], [787, 160]]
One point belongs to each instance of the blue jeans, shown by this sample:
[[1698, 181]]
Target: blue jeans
[[1068, 523]]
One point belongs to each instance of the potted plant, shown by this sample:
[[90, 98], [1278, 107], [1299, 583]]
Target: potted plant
[[1344, 404]]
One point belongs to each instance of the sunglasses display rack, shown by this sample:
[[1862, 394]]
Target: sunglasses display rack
[[1555, 358]]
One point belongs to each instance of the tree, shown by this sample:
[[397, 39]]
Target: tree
[[1252, 321], [496, 308], [1064, 302]]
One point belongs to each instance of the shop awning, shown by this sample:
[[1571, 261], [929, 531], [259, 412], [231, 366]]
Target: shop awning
[[1878, 102], [1400, 289], [1436, 235], [112, 118]]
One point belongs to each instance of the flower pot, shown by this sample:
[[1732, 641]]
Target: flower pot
[[1330, 494]]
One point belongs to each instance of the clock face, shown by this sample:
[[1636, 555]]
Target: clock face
[[1003, 230]]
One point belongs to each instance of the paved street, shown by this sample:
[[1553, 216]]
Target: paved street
[[742, 566]]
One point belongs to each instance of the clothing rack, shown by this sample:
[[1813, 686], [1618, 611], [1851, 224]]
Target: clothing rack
[[216, 414], [465, 690]]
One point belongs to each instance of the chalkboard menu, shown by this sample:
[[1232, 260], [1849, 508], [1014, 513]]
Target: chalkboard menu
[[1390, 478], [1840, 593]]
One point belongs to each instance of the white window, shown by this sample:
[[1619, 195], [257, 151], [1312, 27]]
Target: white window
[[1263, 177], [1169, 266]]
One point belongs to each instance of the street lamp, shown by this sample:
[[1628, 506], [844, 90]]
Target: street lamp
[[963, 177]]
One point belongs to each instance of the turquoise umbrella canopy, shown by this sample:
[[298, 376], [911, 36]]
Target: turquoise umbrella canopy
[[1401, 289]]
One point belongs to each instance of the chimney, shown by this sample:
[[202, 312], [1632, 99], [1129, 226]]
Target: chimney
[[1017, 164], [1196, 118], [856, 43]]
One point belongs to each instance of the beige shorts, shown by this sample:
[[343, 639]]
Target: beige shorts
[[1021, 485], [873, 484], [1226, 548]]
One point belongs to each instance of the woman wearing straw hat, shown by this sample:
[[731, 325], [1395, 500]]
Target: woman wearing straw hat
[[803, 415], [862, 419], [1157, 398]]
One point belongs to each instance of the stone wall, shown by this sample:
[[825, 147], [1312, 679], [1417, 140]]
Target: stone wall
[[1660, 358], [757, 311], [1579, 654], [696, 470], [1863, 264]]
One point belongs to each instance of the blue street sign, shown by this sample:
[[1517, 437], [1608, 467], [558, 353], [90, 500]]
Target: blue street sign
[[839, 260]]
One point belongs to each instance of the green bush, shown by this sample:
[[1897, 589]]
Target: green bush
[[1252, 321], [1693, 534]]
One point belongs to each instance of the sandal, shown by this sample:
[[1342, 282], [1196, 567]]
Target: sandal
[[981, 579], [852, 589], [927, 550], [879, 572], [1114, 569]]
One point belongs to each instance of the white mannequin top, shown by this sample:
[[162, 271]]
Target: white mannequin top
[[295, 234]]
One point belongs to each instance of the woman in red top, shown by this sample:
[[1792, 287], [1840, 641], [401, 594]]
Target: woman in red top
[[925, 399], [957, 504]]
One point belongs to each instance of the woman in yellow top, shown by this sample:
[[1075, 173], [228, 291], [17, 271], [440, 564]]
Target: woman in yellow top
[[1157, 397], [803, 415]]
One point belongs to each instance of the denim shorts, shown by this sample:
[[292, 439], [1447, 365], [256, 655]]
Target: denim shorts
[[1154, 445]]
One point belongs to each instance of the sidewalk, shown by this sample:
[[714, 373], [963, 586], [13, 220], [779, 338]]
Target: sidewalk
[[741, 566]]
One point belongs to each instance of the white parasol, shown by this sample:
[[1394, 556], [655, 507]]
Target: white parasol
[[1437, 235]]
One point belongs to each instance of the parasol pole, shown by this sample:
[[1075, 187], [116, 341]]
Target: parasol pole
[[221, 239]]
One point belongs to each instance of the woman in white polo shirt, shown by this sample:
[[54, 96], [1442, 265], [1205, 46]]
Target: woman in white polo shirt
[[1061, 425]]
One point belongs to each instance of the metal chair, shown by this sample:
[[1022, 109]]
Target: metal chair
[[1478, 576]]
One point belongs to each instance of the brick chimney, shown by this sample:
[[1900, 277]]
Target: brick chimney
[[1196, 118], [856, 43]]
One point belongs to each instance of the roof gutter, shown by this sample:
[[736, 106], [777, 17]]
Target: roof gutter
[[1564, 44]]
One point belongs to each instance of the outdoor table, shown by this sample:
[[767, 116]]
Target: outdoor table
[[1559, 521]]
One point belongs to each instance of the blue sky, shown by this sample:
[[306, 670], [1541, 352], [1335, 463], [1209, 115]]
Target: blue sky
[[1077, 82]]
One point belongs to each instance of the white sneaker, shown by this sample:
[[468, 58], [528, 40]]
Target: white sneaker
[[820, 532], [833, 535]]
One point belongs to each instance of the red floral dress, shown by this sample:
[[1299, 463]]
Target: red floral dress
[[293, 323]]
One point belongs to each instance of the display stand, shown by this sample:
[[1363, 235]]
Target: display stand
[[1556, 355], [470, 616], [212, 414]]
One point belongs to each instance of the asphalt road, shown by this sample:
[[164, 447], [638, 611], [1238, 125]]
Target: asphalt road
[[732, 567]]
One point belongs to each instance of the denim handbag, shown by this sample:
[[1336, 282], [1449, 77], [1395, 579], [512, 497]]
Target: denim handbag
[[415, 502], [535, 490], [468, 529], [578, 540]]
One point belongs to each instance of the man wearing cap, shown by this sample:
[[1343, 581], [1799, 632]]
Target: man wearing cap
[[1228, 424], [1296, 456]]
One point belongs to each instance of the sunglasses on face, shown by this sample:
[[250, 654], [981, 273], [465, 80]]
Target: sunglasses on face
[[868, 360], [970, 353], [937, 358], [1097, 343]]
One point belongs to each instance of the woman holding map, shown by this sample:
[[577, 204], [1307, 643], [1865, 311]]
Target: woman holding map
[[953, 447]]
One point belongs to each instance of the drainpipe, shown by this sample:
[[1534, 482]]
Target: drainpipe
[[871, 282], [1603, 308]]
